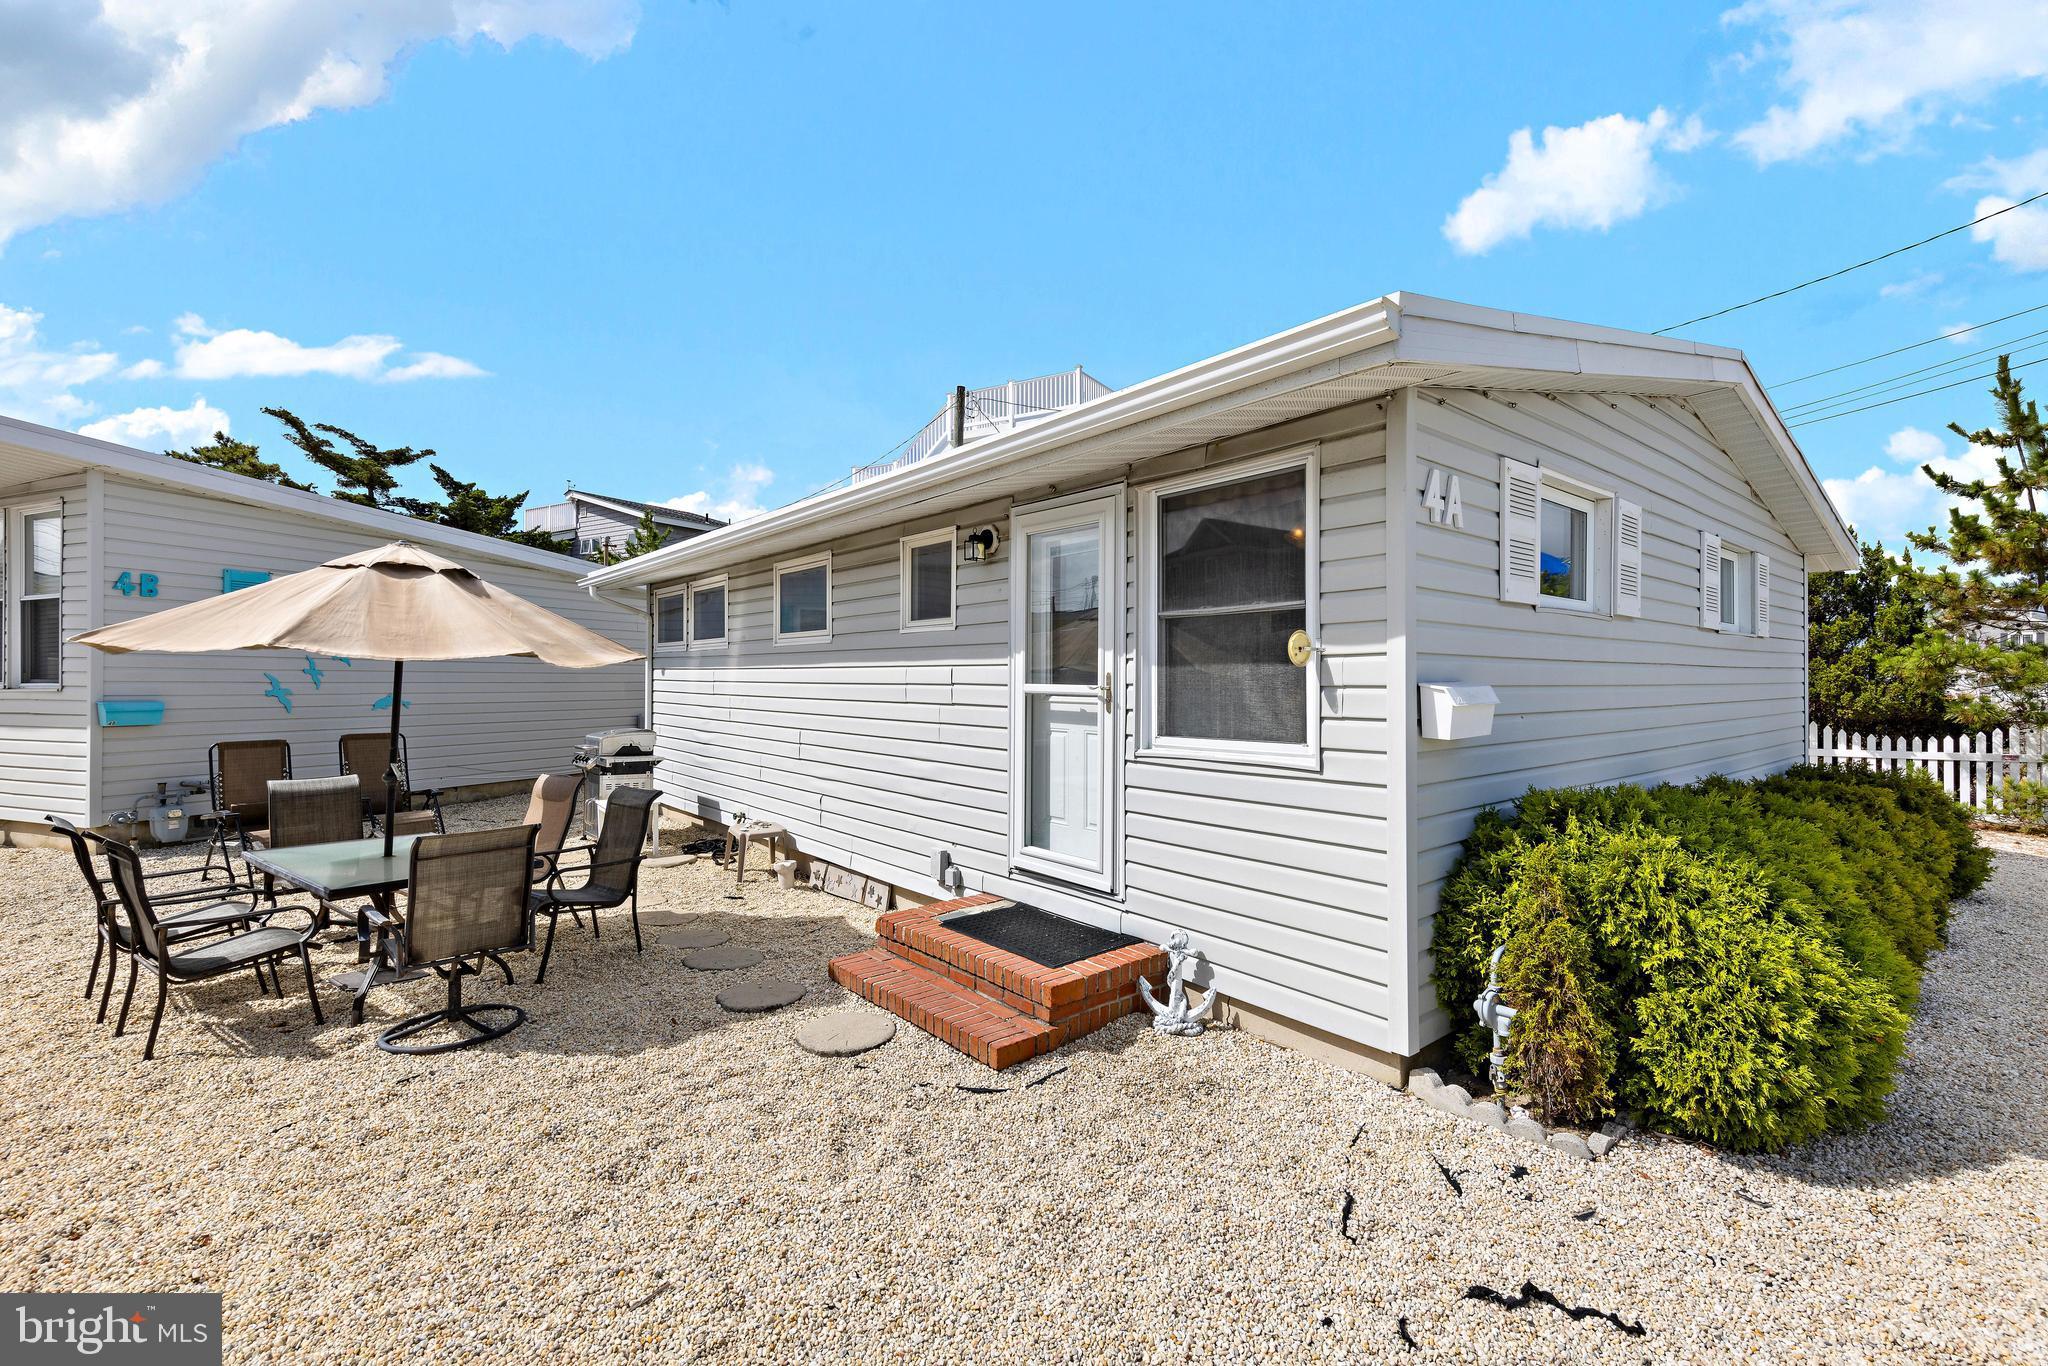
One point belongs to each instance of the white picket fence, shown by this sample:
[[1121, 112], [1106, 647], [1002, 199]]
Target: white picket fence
[[1970, 767]]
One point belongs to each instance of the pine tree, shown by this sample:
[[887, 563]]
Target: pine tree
[[1991, 579], [470, 508], [238, 457], [363, 476], [648, 536], [1855, 620]]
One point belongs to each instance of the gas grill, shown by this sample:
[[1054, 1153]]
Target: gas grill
[[610, 759]]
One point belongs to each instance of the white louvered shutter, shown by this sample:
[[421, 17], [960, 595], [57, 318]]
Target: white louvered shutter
[[1628, 559], [1710, 580], [1521, 530], [1763, 594]]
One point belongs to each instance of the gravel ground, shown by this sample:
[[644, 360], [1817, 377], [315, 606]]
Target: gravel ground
[[637, 1174]]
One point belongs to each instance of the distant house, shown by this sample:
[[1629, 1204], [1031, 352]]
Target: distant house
[[588, 520], [93, 533]]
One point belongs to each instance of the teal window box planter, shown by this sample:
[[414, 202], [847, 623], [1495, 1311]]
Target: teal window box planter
[[131, 713], [231, 579]]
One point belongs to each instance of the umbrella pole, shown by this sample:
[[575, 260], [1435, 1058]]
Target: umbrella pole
[[391, 763]]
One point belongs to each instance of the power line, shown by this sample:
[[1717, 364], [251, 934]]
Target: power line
[[1836, 274], [1899, 350], [2010, 346], [1886, 403]]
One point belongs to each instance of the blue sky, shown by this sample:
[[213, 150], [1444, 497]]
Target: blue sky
[[721, 253]]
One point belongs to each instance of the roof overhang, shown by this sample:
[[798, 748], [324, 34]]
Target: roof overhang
[[672, 515], [31, 454], [1374, 349]]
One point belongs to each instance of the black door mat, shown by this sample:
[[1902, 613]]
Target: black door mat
[[1049, 940]]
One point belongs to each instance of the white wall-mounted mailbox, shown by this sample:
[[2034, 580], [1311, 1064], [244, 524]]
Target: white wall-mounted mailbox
[[1457, 711]]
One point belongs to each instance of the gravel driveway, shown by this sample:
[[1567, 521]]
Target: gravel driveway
[[638, 1174]]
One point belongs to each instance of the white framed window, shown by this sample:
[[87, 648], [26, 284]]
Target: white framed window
[[34, 571], [803, 598], [671, 619], [928, 570], [1565, 550], [1555, 534], [707, 614], [1735, 587], [1227, 575]]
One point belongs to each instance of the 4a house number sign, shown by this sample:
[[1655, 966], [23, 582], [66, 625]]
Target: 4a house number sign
[[1442, 500]]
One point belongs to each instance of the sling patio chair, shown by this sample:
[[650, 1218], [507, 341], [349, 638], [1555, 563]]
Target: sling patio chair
[[309, 811], [155, 948], [551, 807], [465, 902], [111, 937], [419, 809], [240, 773], [611, 874]]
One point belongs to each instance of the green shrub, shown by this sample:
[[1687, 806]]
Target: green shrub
[[1735, 960], [2023, 803]]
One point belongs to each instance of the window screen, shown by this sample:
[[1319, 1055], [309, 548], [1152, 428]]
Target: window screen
[[931, 582], [708, 607], [41, 596], [801, 601], [1233, 575], [668, 619]]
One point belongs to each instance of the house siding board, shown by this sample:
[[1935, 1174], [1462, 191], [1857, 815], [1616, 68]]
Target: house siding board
[[472, 721], [1588, 700], [879, 747], [45, 750]]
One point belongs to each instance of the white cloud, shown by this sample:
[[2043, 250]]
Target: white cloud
[[35, 381], [157, 428], [144, 369], [240, 353], [433, 365], [106, 107], [1594, 175], [1875, 70], [1914, 446], [1962, 334], [1911, 288], [2019, 238], [1883, 505], [738, 496]]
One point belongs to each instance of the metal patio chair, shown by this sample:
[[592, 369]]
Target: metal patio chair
[[551, 807], [111, 937], [156, 948], [465, 903], [239, 773], [611, 873], [365, 754], [308, 811]]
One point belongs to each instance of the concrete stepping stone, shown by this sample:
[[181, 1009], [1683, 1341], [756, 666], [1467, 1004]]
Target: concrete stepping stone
[[722, 958], [754, 997], [845, 1033], [691, 937]]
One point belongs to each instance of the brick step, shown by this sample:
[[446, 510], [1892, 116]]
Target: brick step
[[1083, 996], [991, 1033]]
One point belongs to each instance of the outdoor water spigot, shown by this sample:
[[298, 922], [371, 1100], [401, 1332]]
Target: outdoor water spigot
[[1496, 1015]]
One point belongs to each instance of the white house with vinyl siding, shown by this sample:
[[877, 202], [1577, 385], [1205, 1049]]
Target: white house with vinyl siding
[[93, 533], [1095, 708]]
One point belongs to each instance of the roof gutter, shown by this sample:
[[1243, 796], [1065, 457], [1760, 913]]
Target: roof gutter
[[1354, 330]]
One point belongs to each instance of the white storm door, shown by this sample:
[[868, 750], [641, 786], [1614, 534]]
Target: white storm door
[[1066, 577]]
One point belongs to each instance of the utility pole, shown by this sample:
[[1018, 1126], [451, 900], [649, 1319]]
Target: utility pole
[[959, 416]]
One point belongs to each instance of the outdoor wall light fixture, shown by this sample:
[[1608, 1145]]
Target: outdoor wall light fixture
[[980, 545]]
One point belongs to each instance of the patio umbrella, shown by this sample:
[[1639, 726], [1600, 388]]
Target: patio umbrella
[[396, 602]]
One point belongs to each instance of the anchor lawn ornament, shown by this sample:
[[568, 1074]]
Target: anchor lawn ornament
[[1174, 1017]]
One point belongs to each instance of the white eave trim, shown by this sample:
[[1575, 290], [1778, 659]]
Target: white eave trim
[[125, 462]]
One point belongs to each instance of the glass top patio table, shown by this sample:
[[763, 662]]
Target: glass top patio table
[[342, 869]]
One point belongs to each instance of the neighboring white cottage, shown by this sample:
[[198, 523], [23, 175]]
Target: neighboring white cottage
[[1066, 657], [95, 533]]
